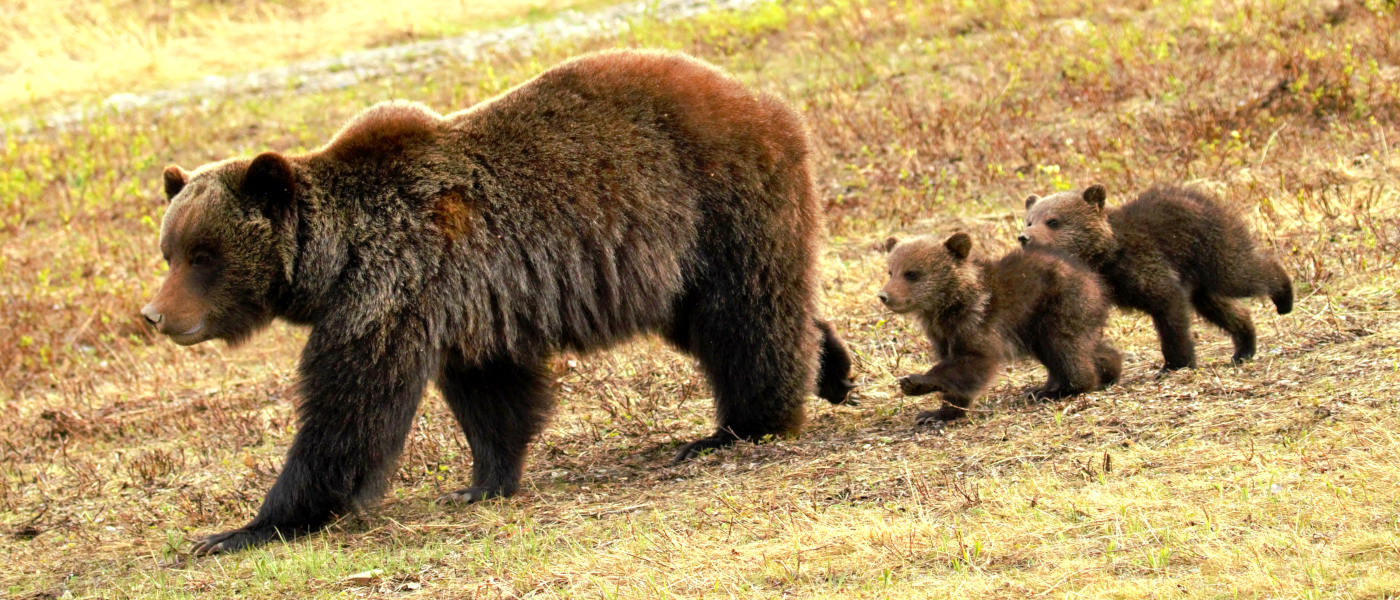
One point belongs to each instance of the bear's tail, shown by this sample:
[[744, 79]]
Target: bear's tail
[[834, 378], [1280, 286]]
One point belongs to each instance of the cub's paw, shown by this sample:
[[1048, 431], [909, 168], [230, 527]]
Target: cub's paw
[[703, 445], [1047, 393], [1169, 369], [916, 385], [473, 494], [233, 541], [1241, 357], [937, 418]]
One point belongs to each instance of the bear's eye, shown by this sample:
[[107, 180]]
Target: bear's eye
[[201, 258], [1052, 223], [911, 276]]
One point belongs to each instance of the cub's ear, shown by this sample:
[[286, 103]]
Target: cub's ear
[[1095, 196], [175, 179], [269, 184], [890, 243], [958, 245], [1030, 201]]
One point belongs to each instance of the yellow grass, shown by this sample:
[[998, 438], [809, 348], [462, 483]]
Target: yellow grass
[[1275, 479], [69, 50]]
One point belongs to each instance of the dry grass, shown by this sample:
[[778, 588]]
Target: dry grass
[[1274, 479], [54, 52]]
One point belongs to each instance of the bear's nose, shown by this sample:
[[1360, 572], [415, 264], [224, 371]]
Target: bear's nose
[[1023, 238], [152, 316], [884, 298]]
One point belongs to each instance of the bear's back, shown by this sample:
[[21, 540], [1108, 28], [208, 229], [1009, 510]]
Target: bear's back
[[601, 100], [1190, 229]]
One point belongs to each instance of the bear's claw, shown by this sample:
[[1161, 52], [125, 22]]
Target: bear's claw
[[233, 541], [471, 495]]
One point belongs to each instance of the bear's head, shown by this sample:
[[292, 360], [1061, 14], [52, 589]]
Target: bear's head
[[223, 236], [1072, 222], [928, 276]]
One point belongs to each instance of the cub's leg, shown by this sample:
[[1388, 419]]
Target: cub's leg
[[1231, 317], [1069, 363], [1171, 316], [961, 379]]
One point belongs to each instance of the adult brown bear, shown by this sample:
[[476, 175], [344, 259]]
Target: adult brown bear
[[618, 193]]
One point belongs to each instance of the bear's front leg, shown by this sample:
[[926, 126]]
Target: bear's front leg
[[358, 400], [501, 406], [961, 378]]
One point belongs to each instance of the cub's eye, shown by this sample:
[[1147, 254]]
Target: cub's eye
[[1052, 223], [911, 276]]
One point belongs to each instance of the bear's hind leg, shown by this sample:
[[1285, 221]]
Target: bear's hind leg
[[760, 360], [1069, 363], [501, 406], [834, 377], [1231, 317]]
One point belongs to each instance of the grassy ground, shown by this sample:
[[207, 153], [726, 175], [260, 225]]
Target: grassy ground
[[55, 52], [1274, 479]]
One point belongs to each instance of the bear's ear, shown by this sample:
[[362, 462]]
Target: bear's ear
[[269, 184], [890, 243], [1030, 201], [175, 179], [1095, 196], [958, 245]]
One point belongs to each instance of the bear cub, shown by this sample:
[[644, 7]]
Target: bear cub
[[1170, 250], [978, 314]]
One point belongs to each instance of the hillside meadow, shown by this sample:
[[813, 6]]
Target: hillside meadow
[[1273, 479]]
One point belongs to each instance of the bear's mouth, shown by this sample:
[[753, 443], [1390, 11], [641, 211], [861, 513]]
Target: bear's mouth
[[191, 336], [898, 307]]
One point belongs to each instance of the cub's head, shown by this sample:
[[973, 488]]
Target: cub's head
[[221, 237], [1073, 222], [926, 275]]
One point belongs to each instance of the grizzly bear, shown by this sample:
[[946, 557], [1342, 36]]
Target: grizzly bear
[[1171, 249], [615, 194], [978, 314]]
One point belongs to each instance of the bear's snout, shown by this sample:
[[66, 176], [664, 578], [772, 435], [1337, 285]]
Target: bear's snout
[[153, 316], [185, 325], [884, 298]]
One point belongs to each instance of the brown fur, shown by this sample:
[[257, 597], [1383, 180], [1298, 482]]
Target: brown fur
[[978, 314], [615, 194], [1169, 250]]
